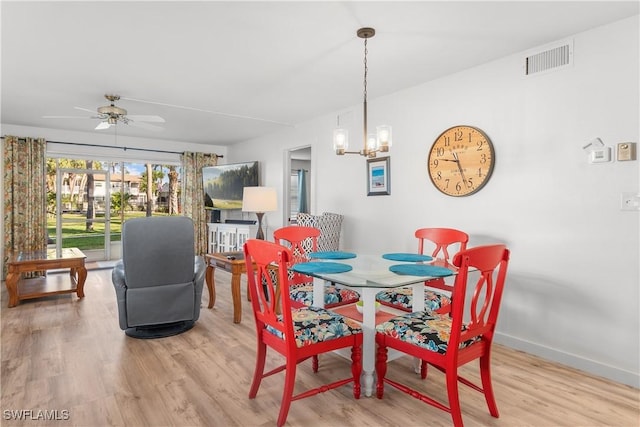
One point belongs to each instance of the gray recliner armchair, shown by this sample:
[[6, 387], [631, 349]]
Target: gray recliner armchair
[[159, 280]]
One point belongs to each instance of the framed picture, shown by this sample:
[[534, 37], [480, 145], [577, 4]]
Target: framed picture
[[378, 176]]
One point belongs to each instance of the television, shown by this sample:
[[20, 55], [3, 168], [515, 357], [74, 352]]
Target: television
[[223, 185]]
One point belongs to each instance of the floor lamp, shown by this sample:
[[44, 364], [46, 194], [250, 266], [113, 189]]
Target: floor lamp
[[259, 200]]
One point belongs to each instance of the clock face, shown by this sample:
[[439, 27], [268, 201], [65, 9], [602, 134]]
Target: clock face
[[461, 161]]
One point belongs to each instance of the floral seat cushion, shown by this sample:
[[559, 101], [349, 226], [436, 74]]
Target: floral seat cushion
[[312, 325], [333, 295], [402, 299], [423, 328]]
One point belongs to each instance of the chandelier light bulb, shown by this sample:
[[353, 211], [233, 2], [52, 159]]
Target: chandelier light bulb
[[384, 137], [340, 140]]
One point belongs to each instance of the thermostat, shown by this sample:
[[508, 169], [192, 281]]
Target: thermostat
[[600, 155]]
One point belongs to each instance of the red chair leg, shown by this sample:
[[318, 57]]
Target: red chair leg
[[381, 369], [423, 369], [454, 399], [487, 387], [287, 392], [261, 355], [314, 363], [356, 369]]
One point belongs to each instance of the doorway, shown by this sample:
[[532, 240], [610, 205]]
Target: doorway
[[297, 183], [83, 205]]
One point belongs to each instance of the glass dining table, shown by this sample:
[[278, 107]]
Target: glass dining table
[[368, 275]]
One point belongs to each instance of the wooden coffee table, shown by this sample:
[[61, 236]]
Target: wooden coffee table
[[232, 262], [22, 262]]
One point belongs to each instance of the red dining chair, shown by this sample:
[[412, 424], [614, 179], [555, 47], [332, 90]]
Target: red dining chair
[[303, 240], [444, 239], [297, 333], [448, 341]]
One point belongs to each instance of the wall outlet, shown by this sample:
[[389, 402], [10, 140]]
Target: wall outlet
[[630, 202], [626, 151]]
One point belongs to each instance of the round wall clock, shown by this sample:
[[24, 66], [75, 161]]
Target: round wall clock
[[461, 161]]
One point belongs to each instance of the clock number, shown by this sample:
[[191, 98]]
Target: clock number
[[440, 152], [439, 175], [457, 135], [458, 186], [483, 158], [435, 163], [479, 172], [447, 141], [479, 145]]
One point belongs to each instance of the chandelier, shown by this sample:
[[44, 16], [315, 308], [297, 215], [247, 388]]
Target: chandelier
[[373, 143]]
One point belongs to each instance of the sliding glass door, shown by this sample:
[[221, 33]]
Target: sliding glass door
[[81, 208]]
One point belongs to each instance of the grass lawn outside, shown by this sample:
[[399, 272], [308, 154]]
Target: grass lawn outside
[[75, 234]]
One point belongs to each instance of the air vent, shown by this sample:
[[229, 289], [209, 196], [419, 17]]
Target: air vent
[[557, 57]]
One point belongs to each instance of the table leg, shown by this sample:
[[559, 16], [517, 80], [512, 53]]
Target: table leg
[[12, 287], [368, 337], [237, 299], [81, 276], [211, 284]]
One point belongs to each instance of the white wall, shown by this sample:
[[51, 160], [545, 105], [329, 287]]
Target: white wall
[[572, 293]]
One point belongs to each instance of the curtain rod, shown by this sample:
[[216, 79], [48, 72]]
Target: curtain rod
[[121, 148]]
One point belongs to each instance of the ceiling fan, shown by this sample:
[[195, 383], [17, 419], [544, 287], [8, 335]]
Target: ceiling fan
[[112, 114]]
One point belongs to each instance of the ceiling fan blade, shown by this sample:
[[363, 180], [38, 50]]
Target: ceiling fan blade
[[103, 125], [219, 113], [66, 117], [138, 118], [144, 125], [85, 109]]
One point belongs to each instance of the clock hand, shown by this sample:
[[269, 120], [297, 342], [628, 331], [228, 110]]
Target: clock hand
[[457, 160]]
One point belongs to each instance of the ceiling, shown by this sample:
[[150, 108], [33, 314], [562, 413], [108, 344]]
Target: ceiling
[[221, 72]]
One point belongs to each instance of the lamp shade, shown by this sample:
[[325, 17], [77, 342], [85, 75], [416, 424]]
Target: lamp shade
[[259, 199]]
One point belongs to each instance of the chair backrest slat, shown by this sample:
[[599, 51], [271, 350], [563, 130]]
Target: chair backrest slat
[[267, 257], [442, 238], [491, 263], [302, 240]]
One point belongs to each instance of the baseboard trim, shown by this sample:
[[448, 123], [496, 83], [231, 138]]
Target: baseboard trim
[[574, 361]]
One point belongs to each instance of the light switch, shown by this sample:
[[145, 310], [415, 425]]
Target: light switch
[[626, 151]]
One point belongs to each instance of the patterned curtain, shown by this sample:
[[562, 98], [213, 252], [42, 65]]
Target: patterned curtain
[[25, 208], [193, 194]]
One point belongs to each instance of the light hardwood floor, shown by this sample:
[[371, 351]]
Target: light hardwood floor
[[61, 353]]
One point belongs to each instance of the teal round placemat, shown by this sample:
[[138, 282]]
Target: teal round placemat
[[321, 267], [407, 257], [420, 270], [332, 255]]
